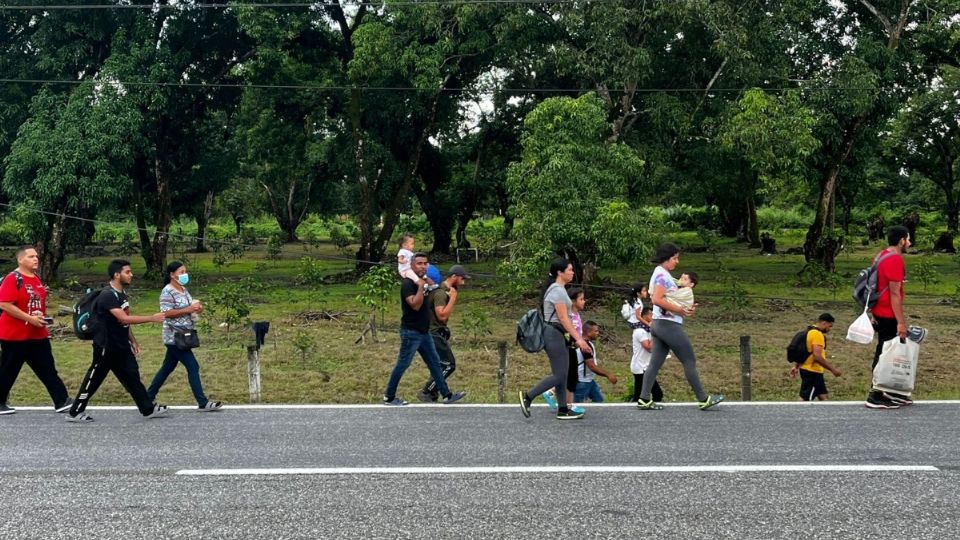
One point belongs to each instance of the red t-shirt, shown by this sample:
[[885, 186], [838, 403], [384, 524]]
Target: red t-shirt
[[31, 297], [890, 269]]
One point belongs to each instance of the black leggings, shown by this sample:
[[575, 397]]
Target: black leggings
[[656, 392]]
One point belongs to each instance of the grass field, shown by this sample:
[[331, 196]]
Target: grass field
[[335, 370]]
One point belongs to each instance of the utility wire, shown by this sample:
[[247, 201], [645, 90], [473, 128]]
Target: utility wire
[[352, 260], [273, 5], [342, 88]]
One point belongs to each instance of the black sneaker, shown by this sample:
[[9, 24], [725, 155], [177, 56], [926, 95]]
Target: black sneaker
[[569, 415], [712, 399], [394, 402], [454, 397], [6, 409], [899, 399], [524, 404], [66, 406], [648, 405], [880, 402]]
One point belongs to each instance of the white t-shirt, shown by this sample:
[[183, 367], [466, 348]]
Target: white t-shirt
[[629, 311], [404, 258], [664, 279], [641, 357], [584, 373]]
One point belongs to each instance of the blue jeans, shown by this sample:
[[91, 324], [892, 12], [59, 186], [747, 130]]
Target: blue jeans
[[412, 342], [176, 356], [588, 390]]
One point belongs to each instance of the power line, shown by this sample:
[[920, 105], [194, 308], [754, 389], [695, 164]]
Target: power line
[[343, 88], [274, 5], [352, 260]]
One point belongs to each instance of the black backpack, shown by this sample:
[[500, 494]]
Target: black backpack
[[797, 352], [84, 315], [530, 331], [865, 291]]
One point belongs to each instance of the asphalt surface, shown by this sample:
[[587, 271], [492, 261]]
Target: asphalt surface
[[117, 477]]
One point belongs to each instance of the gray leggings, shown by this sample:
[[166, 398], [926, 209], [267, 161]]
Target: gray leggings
[[667, 336], [556, 347]]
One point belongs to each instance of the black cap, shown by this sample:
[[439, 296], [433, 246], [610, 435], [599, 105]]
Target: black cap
[[458, 270]]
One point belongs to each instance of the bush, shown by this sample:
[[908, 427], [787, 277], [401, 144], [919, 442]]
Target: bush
[[12, 233], [690, 217], [783, 218], [275, 247], [415, 225], [486, 234], [311, 272], [340, 237]]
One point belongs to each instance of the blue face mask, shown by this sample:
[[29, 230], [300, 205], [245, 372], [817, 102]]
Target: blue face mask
[[183, 279]]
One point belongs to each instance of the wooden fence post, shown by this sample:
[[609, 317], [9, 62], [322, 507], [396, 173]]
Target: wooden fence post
[[502, 372], [253, 372], [746, 390]]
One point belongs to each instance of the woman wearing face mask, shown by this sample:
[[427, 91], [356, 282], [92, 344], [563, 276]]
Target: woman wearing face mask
[[180, 309]]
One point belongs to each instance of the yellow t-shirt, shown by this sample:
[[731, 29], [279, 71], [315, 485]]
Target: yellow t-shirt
[[814, 337]]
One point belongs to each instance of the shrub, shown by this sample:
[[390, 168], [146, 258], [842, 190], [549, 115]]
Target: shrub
[[275, 247], [690, 217], [340, 237], [783, 218], [311, 272]]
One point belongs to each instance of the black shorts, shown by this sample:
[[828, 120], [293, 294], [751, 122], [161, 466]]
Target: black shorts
[[811, 385]]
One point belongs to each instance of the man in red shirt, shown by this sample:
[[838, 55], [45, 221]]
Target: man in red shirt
[[888, 318], [23, 332]]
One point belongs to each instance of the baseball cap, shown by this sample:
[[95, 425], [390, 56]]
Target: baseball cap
[[458, 270]]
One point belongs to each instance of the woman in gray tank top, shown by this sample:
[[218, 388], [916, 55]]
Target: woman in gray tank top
[[556, 305]]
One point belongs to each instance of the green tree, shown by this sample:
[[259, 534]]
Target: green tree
[[69, 157], [925, 138], [567, 175], [772, 136]]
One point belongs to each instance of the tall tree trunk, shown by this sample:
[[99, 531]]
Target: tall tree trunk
[[140, 213], [164, 219], [203, 220], [753, 224], [391, 214], [821, 246], [52, 248], [365, 251]]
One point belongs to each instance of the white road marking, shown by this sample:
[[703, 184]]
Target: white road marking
[[334, 406], [558, 469]]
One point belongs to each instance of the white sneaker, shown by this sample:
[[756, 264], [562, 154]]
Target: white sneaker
[[211, 406], [158, 411], [82, 418]]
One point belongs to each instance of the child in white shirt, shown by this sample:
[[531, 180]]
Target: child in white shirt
[[405, 258], [642, 346]]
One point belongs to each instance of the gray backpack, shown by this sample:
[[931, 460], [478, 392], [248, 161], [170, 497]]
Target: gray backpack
[[865, 292]]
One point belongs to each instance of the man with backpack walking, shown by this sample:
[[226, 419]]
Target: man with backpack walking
[[23, 332], [809, 350], [441, 302], [888, 318], [114, 346]]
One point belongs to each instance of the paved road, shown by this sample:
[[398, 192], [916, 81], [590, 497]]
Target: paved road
[[117, 477]]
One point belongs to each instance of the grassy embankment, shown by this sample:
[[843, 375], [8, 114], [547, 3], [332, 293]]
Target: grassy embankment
[[337, 371]]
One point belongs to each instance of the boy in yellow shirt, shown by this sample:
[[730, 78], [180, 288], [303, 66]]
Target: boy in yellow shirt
[[812, 384]]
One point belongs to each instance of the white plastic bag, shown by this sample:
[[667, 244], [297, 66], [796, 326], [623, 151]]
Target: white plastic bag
[[861, 331], [896, 370]]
